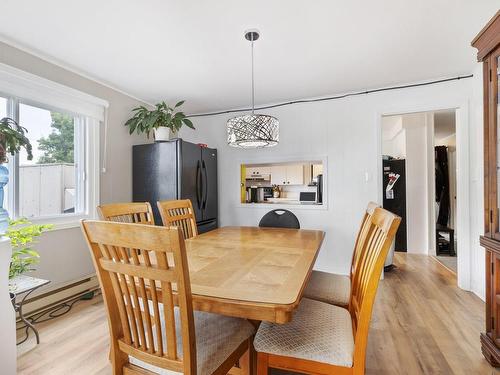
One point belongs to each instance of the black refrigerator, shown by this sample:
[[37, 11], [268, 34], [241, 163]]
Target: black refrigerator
[[394, 196], [177, 170]]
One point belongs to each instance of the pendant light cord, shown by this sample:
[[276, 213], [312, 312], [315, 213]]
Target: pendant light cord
[[336, 97], [253, 88]]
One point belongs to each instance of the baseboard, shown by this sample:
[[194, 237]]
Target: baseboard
[[54, 297]]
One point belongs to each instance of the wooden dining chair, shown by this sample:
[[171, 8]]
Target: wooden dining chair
[[148, 333], [134, 212], [328, 339], [335, 288], [179, 213]]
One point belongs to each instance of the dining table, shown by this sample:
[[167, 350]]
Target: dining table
[[251, 272]]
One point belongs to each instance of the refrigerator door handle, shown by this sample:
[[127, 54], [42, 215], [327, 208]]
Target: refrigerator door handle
[[205, 184], [198, 188]]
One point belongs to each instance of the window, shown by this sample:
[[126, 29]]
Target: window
[[60, 184], [50, 183]]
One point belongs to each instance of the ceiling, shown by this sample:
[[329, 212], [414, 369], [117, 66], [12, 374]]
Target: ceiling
[[195, 50]]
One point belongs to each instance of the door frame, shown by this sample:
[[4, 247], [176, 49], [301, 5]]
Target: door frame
[[462, 176]]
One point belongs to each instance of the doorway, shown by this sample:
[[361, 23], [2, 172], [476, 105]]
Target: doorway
[[419, 182]]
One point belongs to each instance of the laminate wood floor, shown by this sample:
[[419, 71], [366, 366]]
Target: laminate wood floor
[[423, 324]]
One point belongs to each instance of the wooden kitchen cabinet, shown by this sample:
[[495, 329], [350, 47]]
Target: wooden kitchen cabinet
[[278, 175], [488, 45], [295, 174], [287, 174], [257, 171]]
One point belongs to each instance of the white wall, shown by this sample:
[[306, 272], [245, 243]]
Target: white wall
[[64, 255], [347, 132], [417, 194]]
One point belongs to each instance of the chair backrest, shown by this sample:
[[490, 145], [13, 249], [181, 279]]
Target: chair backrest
[[280, 219], [134, 212], [375, 242], [138, 296], [365, 224], [179, 213]]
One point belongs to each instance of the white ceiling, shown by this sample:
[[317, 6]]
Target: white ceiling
[[195, 50]]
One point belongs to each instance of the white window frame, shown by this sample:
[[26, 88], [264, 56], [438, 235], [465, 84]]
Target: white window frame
[[28, 89]]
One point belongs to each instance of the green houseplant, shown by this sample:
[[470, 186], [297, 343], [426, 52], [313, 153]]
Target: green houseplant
[[161, 119], [12, 139], [23, 235]]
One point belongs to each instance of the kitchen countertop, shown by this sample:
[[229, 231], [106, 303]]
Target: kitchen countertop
[[286, 201]]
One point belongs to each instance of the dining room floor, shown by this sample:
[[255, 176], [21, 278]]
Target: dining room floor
[[422, 324]]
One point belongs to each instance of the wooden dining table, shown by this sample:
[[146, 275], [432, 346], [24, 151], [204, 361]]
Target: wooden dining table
[[251, 272]]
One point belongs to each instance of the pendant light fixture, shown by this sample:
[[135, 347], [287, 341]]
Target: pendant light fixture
[[252, 130]]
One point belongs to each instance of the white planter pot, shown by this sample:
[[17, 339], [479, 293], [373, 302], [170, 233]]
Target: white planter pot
[[162, 134]]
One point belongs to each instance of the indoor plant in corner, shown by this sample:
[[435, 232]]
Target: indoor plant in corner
[[161, 120], [12, 139]]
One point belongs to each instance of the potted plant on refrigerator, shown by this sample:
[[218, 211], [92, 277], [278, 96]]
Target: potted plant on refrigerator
[[162, 120], [12, 139]]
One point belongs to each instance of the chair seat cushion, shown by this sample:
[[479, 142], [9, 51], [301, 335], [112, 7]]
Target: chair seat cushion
[[329, 287], [318, 332], [217, 337]]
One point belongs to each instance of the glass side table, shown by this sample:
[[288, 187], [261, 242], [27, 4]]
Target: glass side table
[[20, 287]]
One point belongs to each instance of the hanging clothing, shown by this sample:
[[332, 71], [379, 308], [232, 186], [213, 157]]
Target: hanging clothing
[[442, 185]]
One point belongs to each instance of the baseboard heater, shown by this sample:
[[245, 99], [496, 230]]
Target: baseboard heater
[[60, 295]]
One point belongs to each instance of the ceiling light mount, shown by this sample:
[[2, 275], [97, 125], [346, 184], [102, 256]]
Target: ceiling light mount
[[253, 130], [252, 35]]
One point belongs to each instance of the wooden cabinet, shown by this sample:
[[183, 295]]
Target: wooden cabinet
[[295, 174], [278, 175], [488, 45], [317, 169], [287, 174], [252, 172]]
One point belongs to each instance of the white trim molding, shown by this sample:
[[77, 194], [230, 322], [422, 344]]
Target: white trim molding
[[464, 263], [21, 84]]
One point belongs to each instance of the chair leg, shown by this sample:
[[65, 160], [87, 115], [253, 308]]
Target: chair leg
[[247, 360], [245, 363], [262, 363], [118, 360]]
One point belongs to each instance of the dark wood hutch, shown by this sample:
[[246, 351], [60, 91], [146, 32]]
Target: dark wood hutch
[[488, 45]]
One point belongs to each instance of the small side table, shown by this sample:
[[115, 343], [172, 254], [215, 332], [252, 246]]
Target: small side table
[[22, 286]]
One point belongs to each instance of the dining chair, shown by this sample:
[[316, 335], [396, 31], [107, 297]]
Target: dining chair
[[179, 213], [149, 333], [279, 219], [328, 339], [335, 288], [133, 212]]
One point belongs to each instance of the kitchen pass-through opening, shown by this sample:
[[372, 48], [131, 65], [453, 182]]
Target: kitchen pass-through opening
[[298, 182]]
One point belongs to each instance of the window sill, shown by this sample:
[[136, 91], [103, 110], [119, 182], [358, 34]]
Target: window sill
[[60, 222]]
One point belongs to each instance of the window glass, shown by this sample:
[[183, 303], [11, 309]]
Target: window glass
[[48, 183]]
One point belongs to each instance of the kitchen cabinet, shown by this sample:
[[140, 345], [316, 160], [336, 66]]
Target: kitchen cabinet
[[317, 169], [295, 174], [488, 46], [287, 174], [278, 175], [257, 171]]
